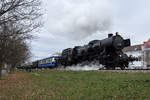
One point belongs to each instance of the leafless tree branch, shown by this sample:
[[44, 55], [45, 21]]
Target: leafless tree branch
[[18, 18]]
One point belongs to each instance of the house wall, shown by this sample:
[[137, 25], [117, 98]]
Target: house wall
[[146, 57], [146, 53]]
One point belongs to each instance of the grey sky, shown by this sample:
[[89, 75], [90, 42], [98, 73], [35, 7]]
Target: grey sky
[[75, 22]]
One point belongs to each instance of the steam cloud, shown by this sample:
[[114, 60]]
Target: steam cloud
[[76, 19]]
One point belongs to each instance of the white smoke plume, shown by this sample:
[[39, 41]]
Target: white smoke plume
[[76, 19], [85, 66], [81, 68]]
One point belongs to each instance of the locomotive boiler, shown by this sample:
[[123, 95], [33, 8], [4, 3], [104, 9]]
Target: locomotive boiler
[[107, 52]]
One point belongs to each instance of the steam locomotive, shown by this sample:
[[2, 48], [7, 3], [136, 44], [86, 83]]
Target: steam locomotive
[[108, 52]]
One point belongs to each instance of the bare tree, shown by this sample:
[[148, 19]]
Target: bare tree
[[18, 18], [18, 53]]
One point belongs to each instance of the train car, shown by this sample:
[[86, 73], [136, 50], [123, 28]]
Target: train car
[[26, 66], [50, 62]]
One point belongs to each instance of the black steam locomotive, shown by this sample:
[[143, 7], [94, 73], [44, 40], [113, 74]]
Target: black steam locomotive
[[107, 52]]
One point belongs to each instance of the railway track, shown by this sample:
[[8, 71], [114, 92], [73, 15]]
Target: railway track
[[105, 70], [127, 70]]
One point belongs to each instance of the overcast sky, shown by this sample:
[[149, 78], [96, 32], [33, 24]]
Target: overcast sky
[[68, 23]]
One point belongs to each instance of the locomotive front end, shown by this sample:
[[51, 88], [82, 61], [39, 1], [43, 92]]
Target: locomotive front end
[[119, 43], [116, 42]]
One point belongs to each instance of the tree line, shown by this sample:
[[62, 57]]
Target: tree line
[[18, 20]]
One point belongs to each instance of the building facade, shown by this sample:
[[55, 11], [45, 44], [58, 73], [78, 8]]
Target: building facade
[[146, 53], [141, 51]]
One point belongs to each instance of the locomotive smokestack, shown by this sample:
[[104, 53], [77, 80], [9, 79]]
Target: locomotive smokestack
[[117, 33], [110, 35]]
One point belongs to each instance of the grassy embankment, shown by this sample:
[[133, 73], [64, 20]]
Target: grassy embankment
[[77, 85]]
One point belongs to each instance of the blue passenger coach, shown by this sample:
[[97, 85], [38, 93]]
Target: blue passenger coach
[[50, 62]]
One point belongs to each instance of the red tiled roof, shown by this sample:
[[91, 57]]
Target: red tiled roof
[[137, 47], [146, 44], [133, 48]]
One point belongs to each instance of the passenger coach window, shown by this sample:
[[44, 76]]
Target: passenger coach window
[[47, 61], [50, 60], [53, 59]]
